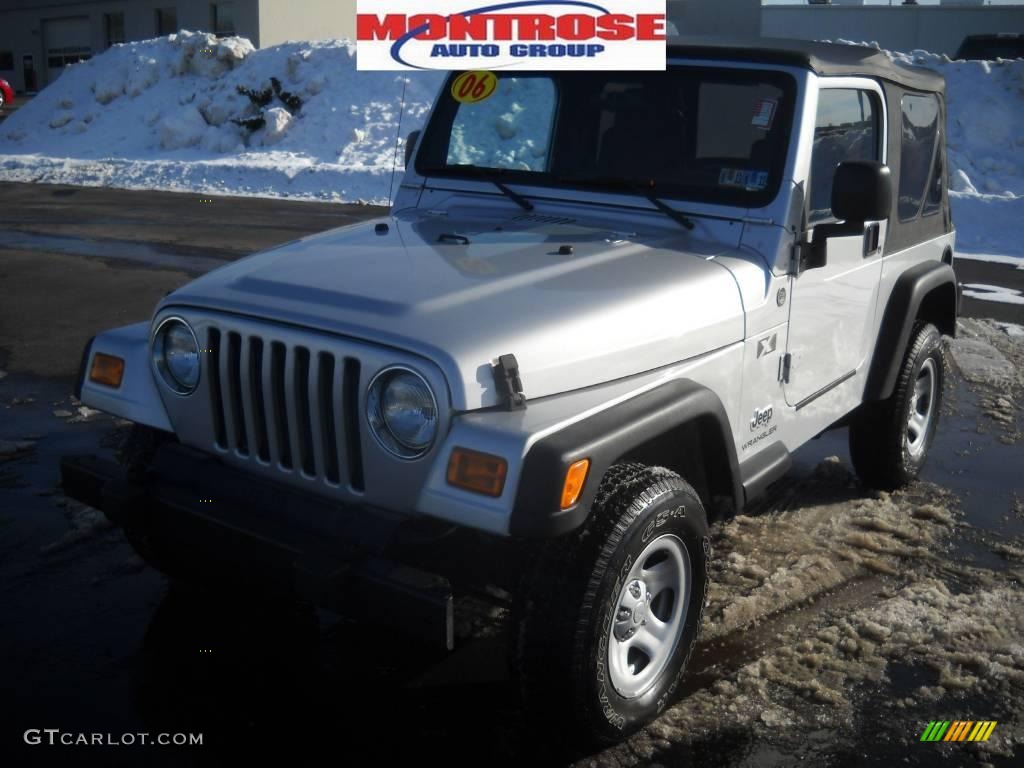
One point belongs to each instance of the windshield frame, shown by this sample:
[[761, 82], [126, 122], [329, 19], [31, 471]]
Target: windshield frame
[[438, 131]]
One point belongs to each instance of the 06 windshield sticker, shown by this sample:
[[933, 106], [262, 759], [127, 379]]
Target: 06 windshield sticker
[[752, 181], [474, 87]]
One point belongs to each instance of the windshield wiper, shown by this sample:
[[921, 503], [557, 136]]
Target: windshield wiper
[[672, 213], [644, 188], [488, 174]]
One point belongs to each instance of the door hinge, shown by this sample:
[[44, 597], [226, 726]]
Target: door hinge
[[784, 365]]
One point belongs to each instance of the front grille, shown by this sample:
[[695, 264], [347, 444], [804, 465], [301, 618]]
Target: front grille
[[292, 407]]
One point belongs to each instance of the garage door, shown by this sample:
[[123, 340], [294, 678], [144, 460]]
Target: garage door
[[65, 41]]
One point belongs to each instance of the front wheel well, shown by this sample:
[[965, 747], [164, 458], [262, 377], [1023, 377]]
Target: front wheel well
[[697, 451]]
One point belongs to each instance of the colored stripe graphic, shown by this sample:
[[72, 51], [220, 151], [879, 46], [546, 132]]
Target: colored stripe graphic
[[956, 732], [935, 730], [959, 730]]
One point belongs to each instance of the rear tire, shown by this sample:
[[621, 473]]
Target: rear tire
[[606, 617], [890, 440]]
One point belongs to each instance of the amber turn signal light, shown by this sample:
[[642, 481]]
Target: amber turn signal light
[[574, 480], [107, 370], [477, 472]]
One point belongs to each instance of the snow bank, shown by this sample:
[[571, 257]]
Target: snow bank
[[165, 114], [168, 114]]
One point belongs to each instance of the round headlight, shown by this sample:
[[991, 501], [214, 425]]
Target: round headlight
[[402, 412], [176, 353]]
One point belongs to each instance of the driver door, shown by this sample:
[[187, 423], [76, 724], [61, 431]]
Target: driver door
[[832, 307]]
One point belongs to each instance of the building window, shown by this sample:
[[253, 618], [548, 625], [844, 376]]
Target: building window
[[113, 24], [918, 164], [223, 18], [56, 58], [7, 60], [166, 21], [847, 129]]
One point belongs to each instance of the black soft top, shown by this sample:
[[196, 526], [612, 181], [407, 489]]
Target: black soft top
[[822, 58]]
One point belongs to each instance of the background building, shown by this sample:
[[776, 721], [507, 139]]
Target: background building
[[716, 17], [937, 28]]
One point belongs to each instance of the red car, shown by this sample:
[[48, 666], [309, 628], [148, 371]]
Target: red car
[[6, 92]]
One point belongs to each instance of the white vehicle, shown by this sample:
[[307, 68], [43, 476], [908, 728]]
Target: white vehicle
[[604, 311]]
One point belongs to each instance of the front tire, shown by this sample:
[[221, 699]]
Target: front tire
[[607, 616], [890, 440]]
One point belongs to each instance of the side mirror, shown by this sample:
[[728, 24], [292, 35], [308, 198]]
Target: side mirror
[[410, 146], [861, 192]]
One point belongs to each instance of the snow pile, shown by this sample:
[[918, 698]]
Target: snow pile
[[199, 113]]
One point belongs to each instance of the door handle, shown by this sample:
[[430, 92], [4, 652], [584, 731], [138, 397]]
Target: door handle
[[872, 238]]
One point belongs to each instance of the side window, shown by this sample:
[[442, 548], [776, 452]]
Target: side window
[[920, 160], [511, 129], [847, 128]]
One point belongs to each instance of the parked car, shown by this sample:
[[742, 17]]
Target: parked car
[[571, 347], [6, 93], [1004, 45]]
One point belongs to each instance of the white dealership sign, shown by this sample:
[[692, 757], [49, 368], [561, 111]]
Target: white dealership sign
[[524, 34]]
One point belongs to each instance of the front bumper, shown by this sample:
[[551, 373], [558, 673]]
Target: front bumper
[[247, 530]]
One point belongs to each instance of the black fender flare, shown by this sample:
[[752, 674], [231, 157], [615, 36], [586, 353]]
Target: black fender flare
[[927, 291], [606, 437]]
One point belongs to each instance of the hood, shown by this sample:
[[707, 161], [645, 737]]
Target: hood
[[577, 303]]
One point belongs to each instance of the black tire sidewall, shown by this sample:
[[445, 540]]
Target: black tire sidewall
[[679, 512], [929, 346]]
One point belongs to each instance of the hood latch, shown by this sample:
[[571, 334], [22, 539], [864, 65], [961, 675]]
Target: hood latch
[[508, 383]]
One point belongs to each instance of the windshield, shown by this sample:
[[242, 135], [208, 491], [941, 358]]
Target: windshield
[[712, 135]]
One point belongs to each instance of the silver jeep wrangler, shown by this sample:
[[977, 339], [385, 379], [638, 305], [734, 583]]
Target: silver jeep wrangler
[[605, 309]]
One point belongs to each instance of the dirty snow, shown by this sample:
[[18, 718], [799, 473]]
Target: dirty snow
[[990, 356], [843, 536], [161, 114]]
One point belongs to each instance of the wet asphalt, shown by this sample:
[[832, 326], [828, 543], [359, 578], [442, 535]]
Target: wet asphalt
[[93, 641]]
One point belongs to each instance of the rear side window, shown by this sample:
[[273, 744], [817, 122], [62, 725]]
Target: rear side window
[[920, 158], [847, 128]]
